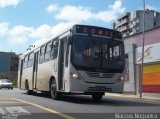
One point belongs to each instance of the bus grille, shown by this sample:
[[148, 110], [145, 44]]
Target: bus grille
[[100, 75]]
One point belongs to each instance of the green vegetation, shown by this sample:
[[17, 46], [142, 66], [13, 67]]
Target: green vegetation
[[15, 84]]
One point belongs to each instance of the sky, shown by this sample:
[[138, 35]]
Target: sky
[[27, 22]]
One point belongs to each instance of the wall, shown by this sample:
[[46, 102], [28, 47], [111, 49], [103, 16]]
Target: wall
[[130, 85], [149, 20], [151, 37]]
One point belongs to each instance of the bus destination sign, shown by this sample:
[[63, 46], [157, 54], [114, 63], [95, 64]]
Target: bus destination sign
[[92, 30]]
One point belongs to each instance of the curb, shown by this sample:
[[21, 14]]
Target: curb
[[132, 96]]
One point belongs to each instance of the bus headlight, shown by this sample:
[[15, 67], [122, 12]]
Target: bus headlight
[[74, 76], [122, 78]]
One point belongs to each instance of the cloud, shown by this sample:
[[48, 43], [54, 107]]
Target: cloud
[[42, 31], [117, 6], [49, 32], [74, 14], [52, 8], [80, 14], [19, 35], [3, 28], [22, 35], [5, 3], [61, 27], [110, 14]]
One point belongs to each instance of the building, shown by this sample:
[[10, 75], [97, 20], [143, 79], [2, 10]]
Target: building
[[132, 22], [151, 75], [131, 26], [8, 65]]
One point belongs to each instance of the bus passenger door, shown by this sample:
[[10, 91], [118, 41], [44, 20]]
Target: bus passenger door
[[35, 69], [63, 44], [21, 71]]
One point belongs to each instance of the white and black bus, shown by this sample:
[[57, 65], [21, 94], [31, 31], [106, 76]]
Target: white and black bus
[[83, 60]]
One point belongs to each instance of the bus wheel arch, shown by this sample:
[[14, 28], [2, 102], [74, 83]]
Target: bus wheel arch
[[28, 91], [26, 84], [50, 81]]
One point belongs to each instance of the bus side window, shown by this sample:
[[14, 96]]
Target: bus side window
[[42, 53], [30, 59], [55, 49], [25, 62], [48, 51]]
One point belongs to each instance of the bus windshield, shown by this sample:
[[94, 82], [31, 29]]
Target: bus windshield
[[97, 53]]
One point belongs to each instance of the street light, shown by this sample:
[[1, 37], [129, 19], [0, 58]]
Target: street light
[[141, 78]]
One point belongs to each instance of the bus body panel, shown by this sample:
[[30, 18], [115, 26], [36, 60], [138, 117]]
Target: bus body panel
[[45, 71], [27, 75]]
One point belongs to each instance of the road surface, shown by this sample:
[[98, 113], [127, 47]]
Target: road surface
[[16, 104]]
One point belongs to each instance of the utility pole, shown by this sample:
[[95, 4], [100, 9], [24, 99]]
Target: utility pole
[[141, 78]]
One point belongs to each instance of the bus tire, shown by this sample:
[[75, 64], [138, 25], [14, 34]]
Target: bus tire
[[28, 92], [97, 96], [53, 90]]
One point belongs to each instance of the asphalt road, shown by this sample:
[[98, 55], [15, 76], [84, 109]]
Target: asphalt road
[[18, 105]]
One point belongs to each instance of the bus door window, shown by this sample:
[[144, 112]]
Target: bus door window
[[67, 52], [21, 71], [61, 63], [30, 59], [48, 51], [55, 49], [25, 61], [42, 52]]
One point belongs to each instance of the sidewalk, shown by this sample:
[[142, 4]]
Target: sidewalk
[[148, 96]]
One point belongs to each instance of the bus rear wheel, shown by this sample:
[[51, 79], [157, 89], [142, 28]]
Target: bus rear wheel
[[53, 90], [97, 96]]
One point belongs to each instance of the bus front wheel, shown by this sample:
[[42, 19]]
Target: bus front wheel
[[97, 96], [53, 90]]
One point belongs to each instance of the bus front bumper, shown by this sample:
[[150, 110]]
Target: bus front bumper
[[77, 86]]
